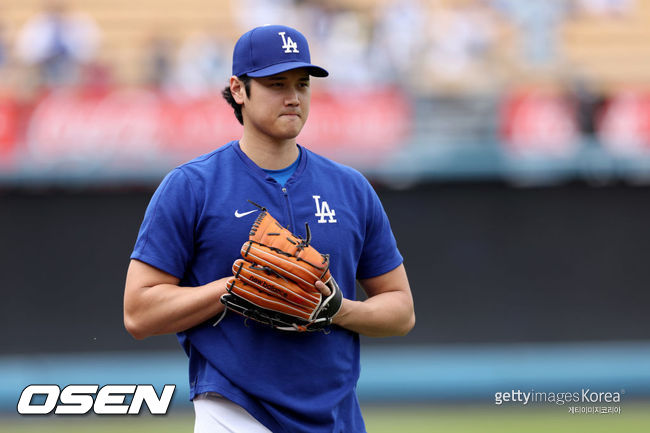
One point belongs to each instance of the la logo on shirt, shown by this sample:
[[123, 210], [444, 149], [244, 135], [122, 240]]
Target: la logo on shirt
[[323, 211]]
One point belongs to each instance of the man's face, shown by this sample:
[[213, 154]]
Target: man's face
[[278, 105]]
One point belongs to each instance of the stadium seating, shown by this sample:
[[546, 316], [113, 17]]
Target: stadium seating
[[608, 50]]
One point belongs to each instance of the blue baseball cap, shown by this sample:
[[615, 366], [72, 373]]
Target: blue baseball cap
[[269, 50]]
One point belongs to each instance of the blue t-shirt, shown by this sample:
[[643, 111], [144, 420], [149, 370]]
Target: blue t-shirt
[[194, 227], [282, 176]]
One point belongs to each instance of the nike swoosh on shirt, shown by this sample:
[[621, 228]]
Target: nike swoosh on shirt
[[243, 214]]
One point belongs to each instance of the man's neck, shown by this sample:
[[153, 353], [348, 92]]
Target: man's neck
[[270, 154]]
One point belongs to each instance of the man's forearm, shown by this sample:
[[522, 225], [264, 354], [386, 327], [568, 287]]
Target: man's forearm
[[168, 308], [384, 315]]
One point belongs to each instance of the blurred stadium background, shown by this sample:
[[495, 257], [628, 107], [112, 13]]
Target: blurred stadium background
[[512, 137]]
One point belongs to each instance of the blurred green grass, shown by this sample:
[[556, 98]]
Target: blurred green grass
[[634, 418]]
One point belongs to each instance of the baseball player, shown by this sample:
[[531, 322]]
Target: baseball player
[[246, 376]]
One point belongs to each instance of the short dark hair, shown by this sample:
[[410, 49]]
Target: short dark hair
[[227, 95]]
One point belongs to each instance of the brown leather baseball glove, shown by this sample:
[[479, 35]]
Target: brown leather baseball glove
[[274, 283]]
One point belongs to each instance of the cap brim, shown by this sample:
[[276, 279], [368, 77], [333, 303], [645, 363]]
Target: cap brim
[[314, 70]]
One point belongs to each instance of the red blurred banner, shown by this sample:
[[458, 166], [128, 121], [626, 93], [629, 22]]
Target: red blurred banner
[[539, 122], [361, 125], [624, 124], [127, 127], [8, 127]]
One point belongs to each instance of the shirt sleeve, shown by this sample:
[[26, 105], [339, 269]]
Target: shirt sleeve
[[380, 253], [166, 236]]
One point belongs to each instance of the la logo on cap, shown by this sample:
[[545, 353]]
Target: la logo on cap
[[288, 44]]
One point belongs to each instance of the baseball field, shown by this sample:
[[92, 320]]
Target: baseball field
[[634, 418]]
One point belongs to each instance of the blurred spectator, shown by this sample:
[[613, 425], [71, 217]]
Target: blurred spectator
[[314, 19], [58, 42], [346, 49], [203, 65], [461, 39], [605, 8], [3, 48], [538, 22], [397, 41], [159, 61], [253, 13]]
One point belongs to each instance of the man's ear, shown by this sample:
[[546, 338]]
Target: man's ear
[[237, 89]]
